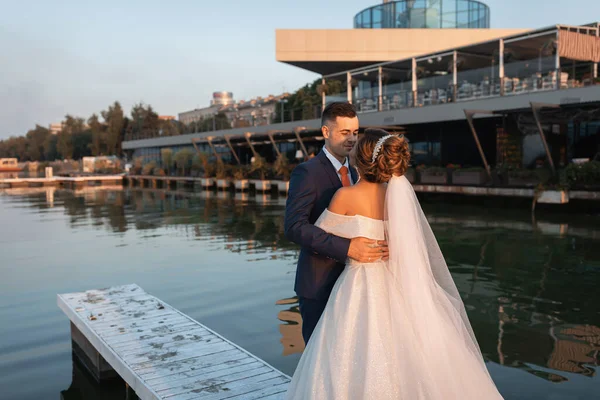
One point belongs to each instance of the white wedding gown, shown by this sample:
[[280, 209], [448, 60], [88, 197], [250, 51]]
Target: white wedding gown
[[394, 329]]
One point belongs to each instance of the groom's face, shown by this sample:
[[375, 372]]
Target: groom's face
[[340, 137]]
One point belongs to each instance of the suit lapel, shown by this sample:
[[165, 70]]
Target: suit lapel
[[330, 170], [354, 175]]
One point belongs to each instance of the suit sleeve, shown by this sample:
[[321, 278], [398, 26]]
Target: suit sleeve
[[302, 196]]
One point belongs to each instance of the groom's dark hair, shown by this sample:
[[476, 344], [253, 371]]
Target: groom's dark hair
[[337, 109]]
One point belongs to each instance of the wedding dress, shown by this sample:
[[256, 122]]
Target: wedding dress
[[393, 329]]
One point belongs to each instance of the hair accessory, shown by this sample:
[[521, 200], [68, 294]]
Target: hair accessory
[[377, 148]]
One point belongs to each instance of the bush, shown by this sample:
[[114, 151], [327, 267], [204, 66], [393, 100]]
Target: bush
[[281, 167], [158, 171], [587, 174], [222, 170], [240, 172], [438, 171], [148, 168], [259, 167], [138, 164]]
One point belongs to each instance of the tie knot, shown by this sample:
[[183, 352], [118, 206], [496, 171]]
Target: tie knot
[[343, 170]]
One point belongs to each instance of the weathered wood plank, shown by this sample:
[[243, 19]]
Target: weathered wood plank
[[237, 388], [183, 383], [164, 354], [215, 360]]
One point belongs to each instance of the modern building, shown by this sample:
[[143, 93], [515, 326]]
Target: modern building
[[462, 92]]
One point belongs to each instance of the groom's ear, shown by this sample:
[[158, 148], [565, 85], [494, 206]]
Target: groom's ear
[[325, 131]]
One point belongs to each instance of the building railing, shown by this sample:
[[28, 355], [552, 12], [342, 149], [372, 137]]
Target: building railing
[[397, 96]]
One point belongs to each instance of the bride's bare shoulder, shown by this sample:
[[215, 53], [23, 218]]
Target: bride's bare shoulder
[[345, 199]]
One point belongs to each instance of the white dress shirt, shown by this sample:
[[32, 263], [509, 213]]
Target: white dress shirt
[[337, 165]]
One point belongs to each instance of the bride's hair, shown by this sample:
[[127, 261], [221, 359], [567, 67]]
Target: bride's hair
[[392, 158]]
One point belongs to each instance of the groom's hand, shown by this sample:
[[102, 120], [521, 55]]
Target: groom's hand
[[367, 250]]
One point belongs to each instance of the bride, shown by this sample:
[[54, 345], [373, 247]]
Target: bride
[[393, 329]]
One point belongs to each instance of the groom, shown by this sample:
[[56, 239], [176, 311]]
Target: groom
[[312, 186]]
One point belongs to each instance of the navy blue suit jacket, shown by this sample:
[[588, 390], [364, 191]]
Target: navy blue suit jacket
[[323, 256]]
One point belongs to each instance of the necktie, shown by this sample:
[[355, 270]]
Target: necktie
[[344, 174]]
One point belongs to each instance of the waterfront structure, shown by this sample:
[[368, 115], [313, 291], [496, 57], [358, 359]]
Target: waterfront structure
[[462, 93]]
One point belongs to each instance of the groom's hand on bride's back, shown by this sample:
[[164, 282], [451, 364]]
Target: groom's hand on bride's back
[[368, 250]]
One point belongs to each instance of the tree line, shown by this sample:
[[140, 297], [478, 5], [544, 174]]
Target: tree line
[[103, 133]]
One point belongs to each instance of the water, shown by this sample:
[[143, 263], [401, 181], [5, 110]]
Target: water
[[530, 287]]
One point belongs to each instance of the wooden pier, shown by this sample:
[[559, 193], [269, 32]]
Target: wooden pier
[[173, 182], [61, 181], [160, 352]]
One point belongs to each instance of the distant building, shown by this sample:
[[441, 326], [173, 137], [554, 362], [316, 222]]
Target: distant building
[[187, 117], [55, 128], [166, 117], [254, 112], [222, 99]]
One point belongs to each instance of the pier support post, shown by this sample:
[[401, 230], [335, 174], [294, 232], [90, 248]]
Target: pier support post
[[89, 356]]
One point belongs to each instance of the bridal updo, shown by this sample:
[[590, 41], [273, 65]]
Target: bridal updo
[[392, 158]]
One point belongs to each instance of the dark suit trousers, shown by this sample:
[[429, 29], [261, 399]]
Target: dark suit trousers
[[310, 310]]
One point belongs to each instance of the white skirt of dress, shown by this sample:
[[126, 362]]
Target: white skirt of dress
[[364, 347]]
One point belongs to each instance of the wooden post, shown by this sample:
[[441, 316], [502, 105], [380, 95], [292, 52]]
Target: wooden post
[[535, 107], [247, 136], [232, 150], [90, 357], [297, 133], [212, 146], [469, 114], [274, 144]]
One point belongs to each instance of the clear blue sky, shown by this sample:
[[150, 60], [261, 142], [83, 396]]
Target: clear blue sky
[[78, 56]]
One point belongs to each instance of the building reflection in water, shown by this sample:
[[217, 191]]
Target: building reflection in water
[[530, 289], [291, 327]]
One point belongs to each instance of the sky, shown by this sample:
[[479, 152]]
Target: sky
[[77, 57]]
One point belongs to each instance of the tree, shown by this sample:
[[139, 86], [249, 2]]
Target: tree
[[166, 156], [50, 148], [115, 128], [98, 142], [182, 159], [81, 142], [72, 126], [144, 122], [35, 143]]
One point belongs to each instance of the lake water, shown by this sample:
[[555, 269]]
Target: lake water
[[531, 287]]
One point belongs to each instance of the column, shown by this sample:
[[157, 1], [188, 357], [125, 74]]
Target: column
[[454, 75], [323, 96], [501, 67], [414, 81], [349, 86], [380, 98]]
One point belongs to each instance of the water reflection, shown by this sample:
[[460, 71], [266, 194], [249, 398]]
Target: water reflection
[[85, 387], [530, 287]]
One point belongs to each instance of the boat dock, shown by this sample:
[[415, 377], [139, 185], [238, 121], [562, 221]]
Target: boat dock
[[62, 181], [160, 352]]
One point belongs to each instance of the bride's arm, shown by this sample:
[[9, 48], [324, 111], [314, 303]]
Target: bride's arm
[[301, 199]]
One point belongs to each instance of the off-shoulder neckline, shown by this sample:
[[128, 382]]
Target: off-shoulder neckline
[[355, 215]]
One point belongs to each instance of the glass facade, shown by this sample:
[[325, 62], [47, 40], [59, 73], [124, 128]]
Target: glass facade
[[425, 14]]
